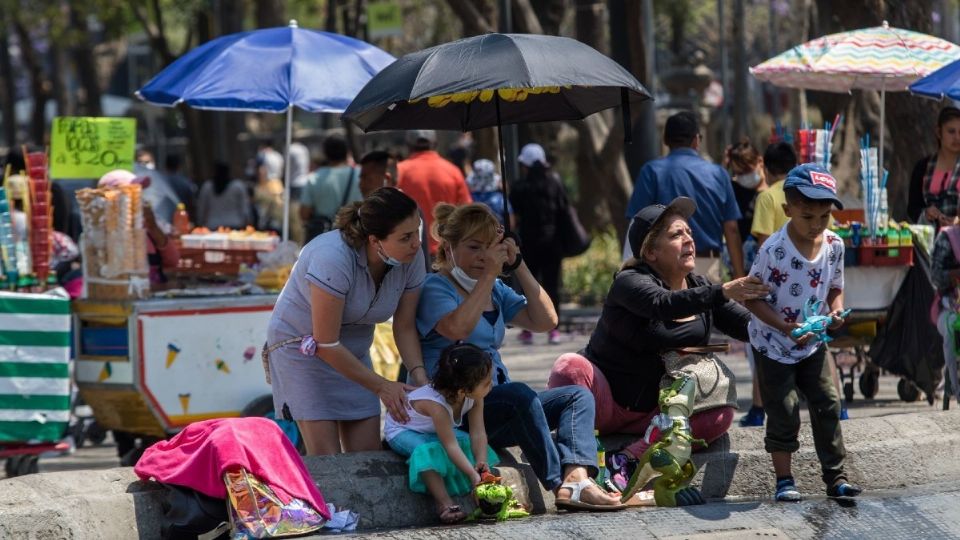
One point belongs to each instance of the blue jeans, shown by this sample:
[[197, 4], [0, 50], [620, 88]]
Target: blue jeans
[[515, 415]]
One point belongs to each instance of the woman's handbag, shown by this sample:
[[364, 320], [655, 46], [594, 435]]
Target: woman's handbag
[[573, 238], [716, 385]]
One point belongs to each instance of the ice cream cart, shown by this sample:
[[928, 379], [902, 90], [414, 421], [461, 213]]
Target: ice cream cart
[[151, 367]]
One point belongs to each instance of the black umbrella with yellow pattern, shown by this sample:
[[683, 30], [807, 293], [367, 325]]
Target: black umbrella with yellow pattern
[[492, 80]]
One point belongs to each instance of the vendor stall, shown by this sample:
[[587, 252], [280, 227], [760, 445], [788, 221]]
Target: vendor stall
[[153, 366], [877, 263], [35, 389], [159, 348]]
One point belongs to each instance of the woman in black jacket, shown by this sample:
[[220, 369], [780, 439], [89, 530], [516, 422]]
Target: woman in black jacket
[[537, 202], [655, 305], [935, 181]]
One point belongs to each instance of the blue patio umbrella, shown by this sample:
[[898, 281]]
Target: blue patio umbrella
[[942, 83], [270, 70]]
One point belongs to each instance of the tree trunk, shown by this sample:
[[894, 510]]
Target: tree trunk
[[7, 90], [270, 13], [39, 86], [58, 66], [82, 54], [600, 163], [473, 18], [550, 13], [330, 23], [741, 127]]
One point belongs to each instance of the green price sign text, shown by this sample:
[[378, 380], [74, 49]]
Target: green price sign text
[[88, 147]]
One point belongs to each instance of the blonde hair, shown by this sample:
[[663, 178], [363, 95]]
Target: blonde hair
[[653, 235], [455, 224]]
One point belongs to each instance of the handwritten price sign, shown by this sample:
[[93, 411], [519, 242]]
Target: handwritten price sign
[[88, 147]]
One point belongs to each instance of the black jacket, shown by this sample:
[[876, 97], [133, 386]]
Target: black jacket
[[631, 333], [537, 205]]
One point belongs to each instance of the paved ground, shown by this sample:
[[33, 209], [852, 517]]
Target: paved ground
[[531, 364], [929, 512]]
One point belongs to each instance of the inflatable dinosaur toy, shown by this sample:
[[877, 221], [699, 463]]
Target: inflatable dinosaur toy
[[669, 456], [814, 323], [495, 500]]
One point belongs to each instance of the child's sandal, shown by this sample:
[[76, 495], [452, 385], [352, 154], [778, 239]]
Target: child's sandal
[[452, 514]]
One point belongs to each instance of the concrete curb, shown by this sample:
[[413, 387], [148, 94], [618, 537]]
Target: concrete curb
[[883, 453]]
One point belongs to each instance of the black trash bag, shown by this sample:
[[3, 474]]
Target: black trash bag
[[188, 514], [908, 343]]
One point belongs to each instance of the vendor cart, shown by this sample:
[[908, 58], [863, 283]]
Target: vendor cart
[[34, 378], [870, 292], [150, 367]]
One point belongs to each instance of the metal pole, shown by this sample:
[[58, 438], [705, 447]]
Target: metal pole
[[883, 111], [648, 113], [510, 144], [286, 176], [740, 89], [725, 108], [774, 91], [503, 168]]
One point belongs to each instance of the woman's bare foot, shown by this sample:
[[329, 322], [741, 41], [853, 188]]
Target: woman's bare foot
[[450, 513]]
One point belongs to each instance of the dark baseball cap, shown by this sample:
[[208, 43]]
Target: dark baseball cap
[[648, 217], [813, 182], [681, 126]]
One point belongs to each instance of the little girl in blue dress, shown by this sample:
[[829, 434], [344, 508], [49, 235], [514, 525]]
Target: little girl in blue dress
[[440, 456]]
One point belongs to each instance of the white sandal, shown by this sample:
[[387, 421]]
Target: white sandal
[[574, 504]]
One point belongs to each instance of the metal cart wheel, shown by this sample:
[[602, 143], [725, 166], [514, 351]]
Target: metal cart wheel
[[870, 383], [848, 391], [907, 391], [11, 465], [96, 434], [21, 465], [29, 465]]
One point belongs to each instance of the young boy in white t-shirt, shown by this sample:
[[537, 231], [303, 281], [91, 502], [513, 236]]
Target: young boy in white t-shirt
[[802, 262]]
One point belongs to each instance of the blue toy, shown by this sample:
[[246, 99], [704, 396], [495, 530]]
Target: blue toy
[[816, 324]]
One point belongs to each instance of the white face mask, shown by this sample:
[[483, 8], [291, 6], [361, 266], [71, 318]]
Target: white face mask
[[461, 277], [749, 180], [390, 261]]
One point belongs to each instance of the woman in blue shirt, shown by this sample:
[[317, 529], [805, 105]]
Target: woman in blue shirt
[[465, 301]]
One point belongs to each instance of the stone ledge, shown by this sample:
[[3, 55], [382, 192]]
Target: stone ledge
[[883, 452]]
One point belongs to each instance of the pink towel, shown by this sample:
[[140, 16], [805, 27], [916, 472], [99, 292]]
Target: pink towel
[[198, 456]]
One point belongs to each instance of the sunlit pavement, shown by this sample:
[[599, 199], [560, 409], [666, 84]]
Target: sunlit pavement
[[930, 512]]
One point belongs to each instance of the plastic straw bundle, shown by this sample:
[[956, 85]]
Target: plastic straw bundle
[[8, 253], [874, 189], [780, 133], [815, 146], [41, 218]]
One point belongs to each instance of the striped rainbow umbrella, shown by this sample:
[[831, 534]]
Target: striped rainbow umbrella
[[880, 58]]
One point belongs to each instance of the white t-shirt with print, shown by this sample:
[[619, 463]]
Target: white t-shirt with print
[[793, 280]]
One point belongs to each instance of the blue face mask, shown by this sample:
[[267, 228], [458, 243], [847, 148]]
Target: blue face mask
[[388, 260]]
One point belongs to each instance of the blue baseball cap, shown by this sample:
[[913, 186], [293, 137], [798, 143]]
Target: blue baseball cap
[[814, 182]]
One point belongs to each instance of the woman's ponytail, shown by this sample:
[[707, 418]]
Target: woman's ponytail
[[348, 221]]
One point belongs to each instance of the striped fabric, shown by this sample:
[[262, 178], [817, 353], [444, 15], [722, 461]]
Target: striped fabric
[[34, 367], [869, 59]]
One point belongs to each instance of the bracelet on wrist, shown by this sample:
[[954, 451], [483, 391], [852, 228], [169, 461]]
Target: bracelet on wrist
[[416, 368]]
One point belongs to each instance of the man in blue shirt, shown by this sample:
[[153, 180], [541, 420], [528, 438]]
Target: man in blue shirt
[[684, 173]]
